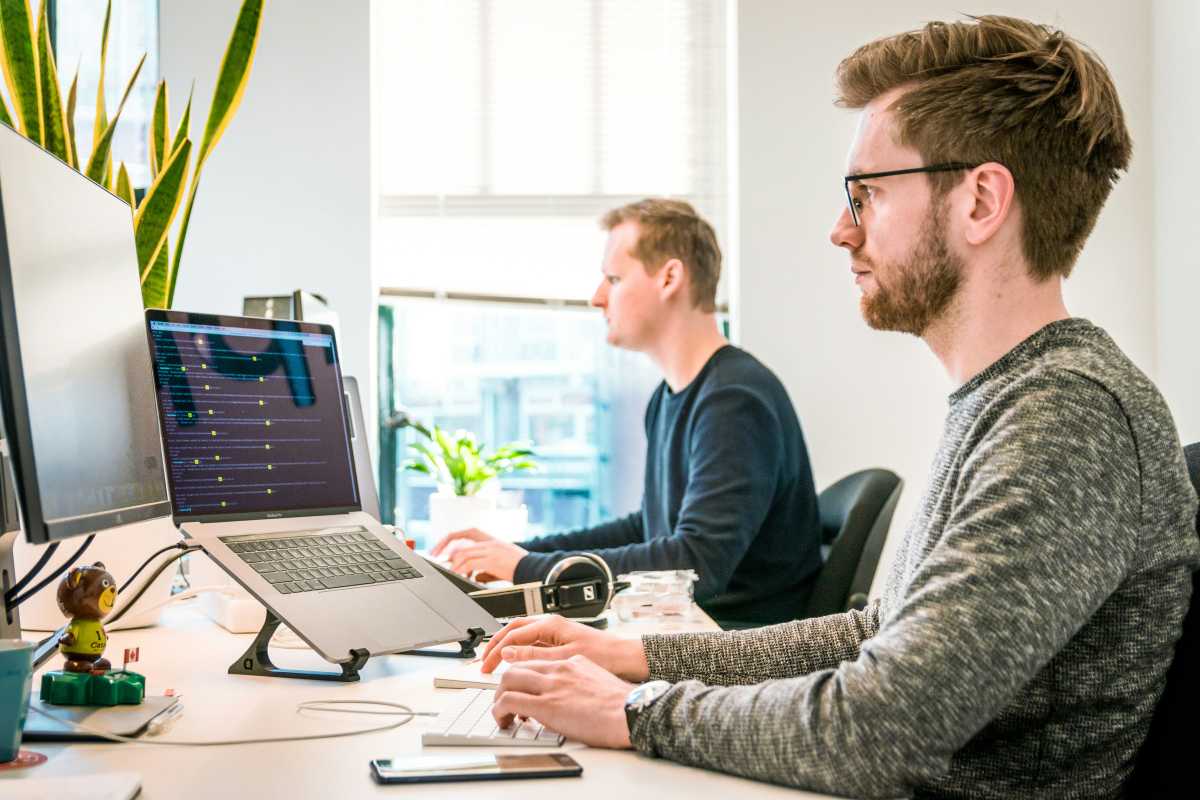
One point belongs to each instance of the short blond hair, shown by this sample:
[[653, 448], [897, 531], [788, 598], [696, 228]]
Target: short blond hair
[[672, 229], [1002, 89]]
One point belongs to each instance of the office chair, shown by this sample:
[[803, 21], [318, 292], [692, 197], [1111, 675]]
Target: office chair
[[1164, 765], [855, 515]]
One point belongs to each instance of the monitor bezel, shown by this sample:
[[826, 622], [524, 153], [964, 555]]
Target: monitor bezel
[[258, 323], [14, 401]]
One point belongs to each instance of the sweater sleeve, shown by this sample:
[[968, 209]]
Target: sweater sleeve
[[730, 658], [1041, 531], [545, 551], [733, 473]]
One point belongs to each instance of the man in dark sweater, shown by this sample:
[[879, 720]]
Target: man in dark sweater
[[728, 488], [1029, 617]]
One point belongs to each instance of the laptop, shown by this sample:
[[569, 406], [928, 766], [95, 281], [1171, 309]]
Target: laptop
[[261, 472]]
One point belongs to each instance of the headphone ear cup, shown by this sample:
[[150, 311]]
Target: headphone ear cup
[[584, 567]]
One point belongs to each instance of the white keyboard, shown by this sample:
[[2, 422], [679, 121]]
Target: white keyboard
[[472, 725]]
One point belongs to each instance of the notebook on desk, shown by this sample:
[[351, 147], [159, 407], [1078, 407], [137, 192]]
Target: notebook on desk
[[49, 723], [99, 786]]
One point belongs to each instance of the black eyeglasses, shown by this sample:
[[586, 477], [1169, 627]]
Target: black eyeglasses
[[948, 167]]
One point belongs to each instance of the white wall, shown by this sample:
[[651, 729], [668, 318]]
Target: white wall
[[878, 399], [284, 201], [1176, 99]]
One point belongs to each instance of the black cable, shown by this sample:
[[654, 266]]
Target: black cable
[[47, 647], [66, 565], [147, 583], [138, 571], [21, 584]]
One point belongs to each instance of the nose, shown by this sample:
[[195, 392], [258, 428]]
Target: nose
[[845, 233], [600, 296]]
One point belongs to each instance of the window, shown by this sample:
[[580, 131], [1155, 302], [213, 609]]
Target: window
[[133, 31], [504, 130], [513, 373]]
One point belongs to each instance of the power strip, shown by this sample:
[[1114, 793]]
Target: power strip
[[233, 609]]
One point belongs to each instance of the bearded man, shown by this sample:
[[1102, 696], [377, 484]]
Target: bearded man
[[1027, 624]]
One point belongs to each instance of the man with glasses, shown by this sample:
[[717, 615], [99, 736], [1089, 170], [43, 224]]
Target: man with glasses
[[1029, 618]]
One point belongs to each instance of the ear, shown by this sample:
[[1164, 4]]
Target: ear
[[671, 278], [992, 193]]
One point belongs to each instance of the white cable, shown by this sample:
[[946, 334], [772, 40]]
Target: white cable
[[307, 705]]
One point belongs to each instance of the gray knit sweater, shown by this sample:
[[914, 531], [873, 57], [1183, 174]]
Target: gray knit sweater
[[1027, 622]]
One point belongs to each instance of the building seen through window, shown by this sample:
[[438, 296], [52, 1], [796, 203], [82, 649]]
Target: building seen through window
[[537, 375]]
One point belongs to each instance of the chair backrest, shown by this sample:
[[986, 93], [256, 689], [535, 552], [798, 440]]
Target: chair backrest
[[856, 513], [1164, 765]]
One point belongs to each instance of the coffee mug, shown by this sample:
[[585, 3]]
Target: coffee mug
[[16, 677]]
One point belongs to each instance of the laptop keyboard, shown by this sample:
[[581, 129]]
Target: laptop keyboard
[[317, 560]]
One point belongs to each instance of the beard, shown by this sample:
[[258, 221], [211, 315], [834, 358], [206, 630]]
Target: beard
[[919, 290]]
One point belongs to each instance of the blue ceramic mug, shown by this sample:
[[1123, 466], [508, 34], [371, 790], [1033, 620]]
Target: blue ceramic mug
[[16, 677]]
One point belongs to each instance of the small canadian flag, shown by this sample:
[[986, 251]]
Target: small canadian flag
[[131, 656]]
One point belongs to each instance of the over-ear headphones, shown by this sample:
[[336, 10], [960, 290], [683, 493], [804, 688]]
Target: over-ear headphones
[[580, 586]]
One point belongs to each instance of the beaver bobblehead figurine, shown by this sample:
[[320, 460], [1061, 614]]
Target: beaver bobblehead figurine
[[86, 595]]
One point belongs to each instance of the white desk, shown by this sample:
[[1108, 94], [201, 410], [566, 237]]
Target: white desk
[[190, 654]]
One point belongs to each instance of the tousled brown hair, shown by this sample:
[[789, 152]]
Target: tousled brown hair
[[672, 229], [1011, 91]]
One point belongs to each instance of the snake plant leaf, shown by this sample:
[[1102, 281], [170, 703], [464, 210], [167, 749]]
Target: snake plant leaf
[[20, 66], [154, 288], [101, 120], [158, 282], [185, 122], [54, 122], [183, 228], [233, 76], [158, 129], [72, 93], [6, 117], [125, 187], [99, 165], [158, 208]]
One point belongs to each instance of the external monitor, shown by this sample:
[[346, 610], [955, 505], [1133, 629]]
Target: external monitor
[[269, 306], [79, 414]]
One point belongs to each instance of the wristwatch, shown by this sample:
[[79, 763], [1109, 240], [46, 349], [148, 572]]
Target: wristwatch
[[641, 698]]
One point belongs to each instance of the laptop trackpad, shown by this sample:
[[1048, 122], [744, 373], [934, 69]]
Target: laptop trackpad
[[393, 618]]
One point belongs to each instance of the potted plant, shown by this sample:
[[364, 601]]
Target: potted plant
[[467, 475], [41, 114]]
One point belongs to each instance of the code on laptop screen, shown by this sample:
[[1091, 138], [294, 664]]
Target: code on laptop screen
[[253, 418]]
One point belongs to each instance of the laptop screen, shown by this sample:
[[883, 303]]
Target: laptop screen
[[253, 416]]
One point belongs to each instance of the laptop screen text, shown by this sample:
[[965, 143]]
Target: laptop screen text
[[252, 418]]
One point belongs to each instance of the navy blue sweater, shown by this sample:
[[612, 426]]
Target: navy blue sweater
[[728, 493]]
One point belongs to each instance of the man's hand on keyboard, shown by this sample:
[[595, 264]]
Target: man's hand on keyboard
[[475, 552], [575, 697], [553, 638]]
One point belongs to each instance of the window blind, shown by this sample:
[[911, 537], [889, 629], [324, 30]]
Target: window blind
[[507, 127]]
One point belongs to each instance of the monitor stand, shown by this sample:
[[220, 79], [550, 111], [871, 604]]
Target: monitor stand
[[10, 619]]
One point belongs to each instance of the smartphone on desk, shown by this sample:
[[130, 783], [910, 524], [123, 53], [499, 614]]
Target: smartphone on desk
[[478, 767]]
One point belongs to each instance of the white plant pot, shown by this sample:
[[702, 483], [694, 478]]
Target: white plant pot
[[449, 513], [121, 550]]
